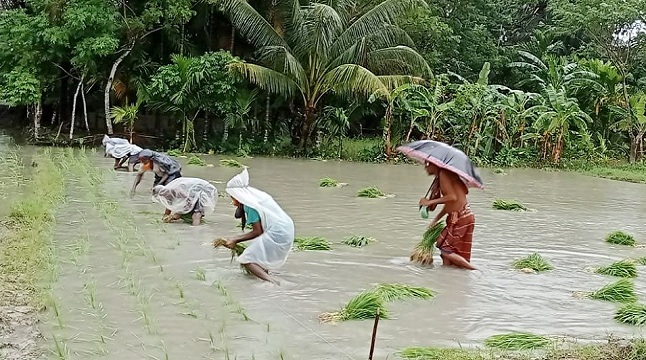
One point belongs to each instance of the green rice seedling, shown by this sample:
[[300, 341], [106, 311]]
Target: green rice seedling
[[312, 243], [620, 291], [534, 262], [499, 171], [395, 292], [623, 268], [517, 341], [174, 152], [363, 306], [90, 290], [510, 205], [371, 192], [620, 238], [358, 241], [231, 163], [180, 290], [423, 252], [195, 160], [236, 251], [240, 310], [329, 182], [188, 219], [641, 261], [200, 274], [632, 314], [61, 351], [431, 353]]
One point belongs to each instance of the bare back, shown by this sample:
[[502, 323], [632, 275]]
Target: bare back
[[451, 184]]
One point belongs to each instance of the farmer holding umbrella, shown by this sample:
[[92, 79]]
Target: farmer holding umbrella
[[454, 174]]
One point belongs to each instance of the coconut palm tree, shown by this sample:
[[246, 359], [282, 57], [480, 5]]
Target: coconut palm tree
[[322, 48], [632, 119]]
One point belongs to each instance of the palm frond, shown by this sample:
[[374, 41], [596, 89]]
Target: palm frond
[[281, 59], [398, 59], [253, 26], [267, 79], [354, 79], [534, 60], [325, 26], [394, 81]]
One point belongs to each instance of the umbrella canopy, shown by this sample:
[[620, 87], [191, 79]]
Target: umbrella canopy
[[445, 157]]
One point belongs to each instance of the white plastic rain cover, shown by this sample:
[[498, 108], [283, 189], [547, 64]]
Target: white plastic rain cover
[[119, 148], [269, 250], [181, 195]]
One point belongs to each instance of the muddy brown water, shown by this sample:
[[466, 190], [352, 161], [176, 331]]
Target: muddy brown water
[[570, 218]]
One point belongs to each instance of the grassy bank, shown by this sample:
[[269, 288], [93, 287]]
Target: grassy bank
[[612, 349]]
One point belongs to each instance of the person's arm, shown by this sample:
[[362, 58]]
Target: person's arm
[[447, 191], [254, 233], [140, 175]]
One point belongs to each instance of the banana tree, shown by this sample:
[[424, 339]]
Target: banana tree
[[239, 119], [319, 50], [337, 123], [389, 99], [127, 115], [632, 119]]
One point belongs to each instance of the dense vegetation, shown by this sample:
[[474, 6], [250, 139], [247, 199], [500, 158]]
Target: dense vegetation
[[510, 82]]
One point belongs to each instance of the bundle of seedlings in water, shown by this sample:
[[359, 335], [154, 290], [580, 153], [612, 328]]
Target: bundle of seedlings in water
[[174, 152], [423, 252], [632, 314], [311, 243], [231, 163], [623, 268], [517, 341], [394, 292], [620, 291], [510, 205], [358, 241], [366, 305], [371, 192], [329, 182], [236, 251], [620, 238], [535, 262], [641, 261], [431, 353], [188, 219], [195, 160]]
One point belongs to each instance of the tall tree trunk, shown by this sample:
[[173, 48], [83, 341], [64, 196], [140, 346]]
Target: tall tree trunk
[[108, 87], [205, 132], [38, 113], [640, 146], [632, 156], [410, 130], [233, 39], [306, 129], [267, 122], [387, 130], [87, 125], [76, 96]]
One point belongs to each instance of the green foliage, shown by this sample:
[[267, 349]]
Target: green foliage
[[358, 241], [395, 292], [196, 160], [312, 243], [423, 252], [620, 291], [511, 205], [328, 182], [534, 261], [517, 341], [632, 314], [366, 305], [623, 268], [620, 238], [371, 192], [431, 353], [231, 163]]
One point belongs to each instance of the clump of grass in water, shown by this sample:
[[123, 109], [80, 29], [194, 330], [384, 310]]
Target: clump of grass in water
[[499, 171], [195, 160], [231, 163], [312, 243], [358, 241], [510, 205], [174, 152], [188, 219], [423, 252], [632, 314], [620, 238], [641, 261], [620, 291], [534, 261], [394, 292], [623, 268], [328, 182], [200, 274], [517, 341], [371, 192], [431, 353], [363, 306]]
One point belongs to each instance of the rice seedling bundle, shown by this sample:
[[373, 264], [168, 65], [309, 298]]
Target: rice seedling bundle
[[510, 205], [236, 251], [632, 314], [174, 152], [371, 192], [641, 261], [230, 163], [358, 241], [312, 243], [188, 219], [363, 306], [623, 268], [620, 291], [328, 182], [534, 261], [423, 252], [431, 353], [394, 292], [620, 238], [195, 160], [517, 341]]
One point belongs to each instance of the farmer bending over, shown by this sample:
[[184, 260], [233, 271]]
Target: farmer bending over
[[165, 168], [455, 240]]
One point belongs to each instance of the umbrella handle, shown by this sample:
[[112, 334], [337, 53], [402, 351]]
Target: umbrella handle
[[427, 193]]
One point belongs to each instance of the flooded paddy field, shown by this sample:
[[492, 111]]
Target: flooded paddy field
[[128, 286]]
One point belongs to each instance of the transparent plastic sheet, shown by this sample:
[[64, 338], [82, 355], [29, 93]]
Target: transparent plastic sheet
[[169, 165], [119, 148], [269, 250], [185, 194]]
